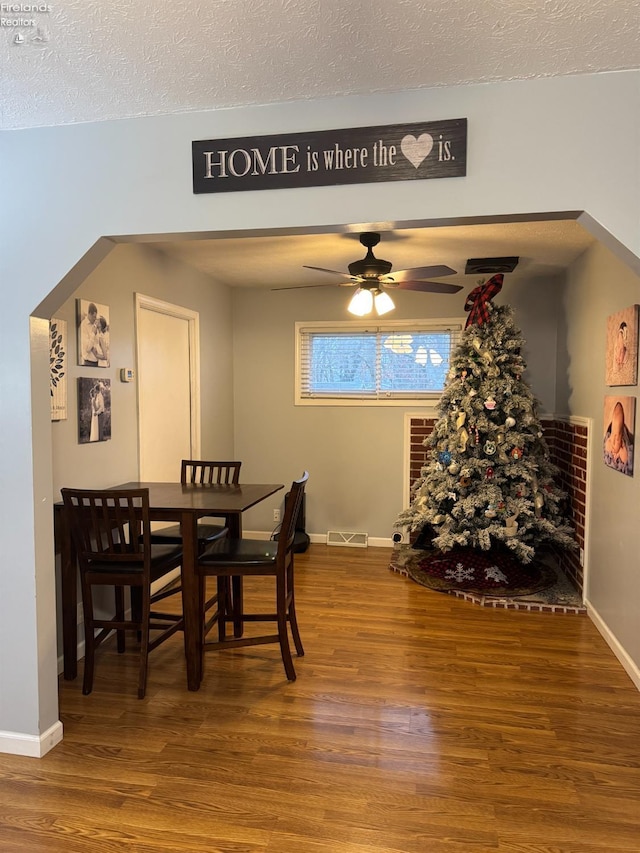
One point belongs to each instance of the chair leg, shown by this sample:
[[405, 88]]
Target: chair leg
[[283, 634], [224, 604], [89, 641], [144, 643], [136, 608], [120, 635], [237, 605], [293, 621]]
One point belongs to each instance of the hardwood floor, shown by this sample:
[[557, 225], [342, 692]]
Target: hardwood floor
[[419, 723]]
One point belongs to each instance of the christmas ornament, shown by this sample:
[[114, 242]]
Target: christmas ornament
[[490, 404], [517, 453], [510, 422], [460, 420], [478, 300], [489, 448], [500, 438], [511, 525], [444, 457], [490, 511], [465, 482], [489, 473], [484, 354], [453, 468]]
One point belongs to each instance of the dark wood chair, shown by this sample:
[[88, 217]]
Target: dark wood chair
[[204, 473], [240, 558], [111, 531]]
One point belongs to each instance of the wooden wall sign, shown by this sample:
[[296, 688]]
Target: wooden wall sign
[[358, 155]]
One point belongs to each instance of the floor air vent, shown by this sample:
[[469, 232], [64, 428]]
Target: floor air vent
[[350, 540]]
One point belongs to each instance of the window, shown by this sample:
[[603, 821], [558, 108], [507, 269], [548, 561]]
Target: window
[[339, 363]]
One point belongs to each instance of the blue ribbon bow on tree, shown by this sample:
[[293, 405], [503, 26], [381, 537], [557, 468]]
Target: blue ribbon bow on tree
[[477, 303]]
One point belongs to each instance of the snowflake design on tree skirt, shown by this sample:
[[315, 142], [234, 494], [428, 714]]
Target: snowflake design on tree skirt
[[486, 573], [493, 573], [460, 573]]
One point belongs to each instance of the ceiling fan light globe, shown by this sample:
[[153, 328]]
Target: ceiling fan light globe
[[383, 302], [361, 302]]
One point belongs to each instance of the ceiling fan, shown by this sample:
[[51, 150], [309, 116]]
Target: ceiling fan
[[373, 277]]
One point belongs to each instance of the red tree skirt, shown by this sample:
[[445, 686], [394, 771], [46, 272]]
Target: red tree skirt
[[494, 572]]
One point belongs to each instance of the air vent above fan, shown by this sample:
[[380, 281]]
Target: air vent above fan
[[490, 266]]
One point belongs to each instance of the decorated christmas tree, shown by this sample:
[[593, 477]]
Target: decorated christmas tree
[[489, 481]]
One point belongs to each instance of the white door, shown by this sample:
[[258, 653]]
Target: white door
[[168, 388]]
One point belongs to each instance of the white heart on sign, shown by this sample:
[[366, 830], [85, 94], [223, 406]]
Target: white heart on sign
[[415, 150]]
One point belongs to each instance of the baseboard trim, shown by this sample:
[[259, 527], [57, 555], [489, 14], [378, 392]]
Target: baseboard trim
[[31, 746], [321, 538], [614, 644]]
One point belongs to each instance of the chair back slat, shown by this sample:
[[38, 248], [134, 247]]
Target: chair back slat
[[292, 504], [111, 531], [105, 525], [210, 473]]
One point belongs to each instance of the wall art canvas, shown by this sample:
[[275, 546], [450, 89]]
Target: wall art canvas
[[619, 433], [93, 334], [58, 368], [94, 409], [622, 347]]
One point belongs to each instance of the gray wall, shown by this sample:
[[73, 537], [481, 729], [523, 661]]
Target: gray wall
[[127, 270], [355, 454], [600, 285]]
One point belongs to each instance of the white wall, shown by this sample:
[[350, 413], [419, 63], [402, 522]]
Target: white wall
[[531, 148]]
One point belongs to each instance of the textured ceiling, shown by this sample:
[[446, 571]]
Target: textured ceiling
[[87, 61], [91, 61], [544, 248]]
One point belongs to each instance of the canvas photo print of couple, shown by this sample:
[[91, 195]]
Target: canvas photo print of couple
[[93, 334]]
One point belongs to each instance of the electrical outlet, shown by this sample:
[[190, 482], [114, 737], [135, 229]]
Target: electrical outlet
[[276, 515]]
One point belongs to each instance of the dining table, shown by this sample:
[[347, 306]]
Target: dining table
[[185, 503]]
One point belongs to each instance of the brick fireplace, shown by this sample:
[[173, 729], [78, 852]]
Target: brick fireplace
[[568, 443]]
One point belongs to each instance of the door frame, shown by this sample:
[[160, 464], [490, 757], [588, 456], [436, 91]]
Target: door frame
[[148, 303]]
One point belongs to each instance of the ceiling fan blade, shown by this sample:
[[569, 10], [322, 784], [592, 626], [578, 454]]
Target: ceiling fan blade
[[332, 272], [418, 273], [424, 286], [325, 284]]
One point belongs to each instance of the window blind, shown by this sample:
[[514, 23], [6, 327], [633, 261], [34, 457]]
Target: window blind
[[390, 361]]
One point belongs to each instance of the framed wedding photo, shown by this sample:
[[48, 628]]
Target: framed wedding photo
[[93, 334], [94, 409]]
